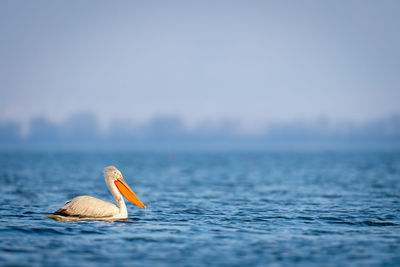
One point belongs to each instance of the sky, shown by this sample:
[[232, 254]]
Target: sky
[[254, 61]]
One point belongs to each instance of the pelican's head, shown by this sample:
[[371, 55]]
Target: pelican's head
[[114, 176]]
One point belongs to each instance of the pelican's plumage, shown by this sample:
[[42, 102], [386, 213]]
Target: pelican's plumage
[[90, 208]]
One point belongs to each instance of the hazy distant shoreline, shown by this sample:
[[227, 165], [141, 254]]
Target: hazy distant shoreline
[[170, 133]]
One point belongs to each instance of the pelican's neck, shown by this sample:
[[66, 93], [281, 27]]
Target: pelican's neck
[[119, 200]]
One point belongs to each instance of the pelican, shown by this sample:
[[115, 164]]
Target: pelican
[[90, 208]]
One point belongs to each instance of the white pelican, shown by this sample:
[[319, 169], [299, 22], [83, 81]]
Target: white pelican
[[90, 208]]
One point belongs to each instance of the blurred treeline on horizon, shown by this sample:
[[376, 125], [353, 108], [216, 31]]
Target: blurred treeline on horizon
[[83, 130]]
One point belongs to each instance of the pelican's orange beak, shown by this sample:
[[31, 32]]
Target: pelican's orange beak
[[128, 193]]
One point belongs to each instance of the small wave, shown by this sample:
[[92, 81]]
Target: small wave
[[336, 220], [89, 232], [306, 218], [194, 211], [18, 250], [331, 196], [140, 239], [46, 231], [17, 215], [29, 212], [35, 230], [320, 232], [375, 223], [128, 220], [266, 218]]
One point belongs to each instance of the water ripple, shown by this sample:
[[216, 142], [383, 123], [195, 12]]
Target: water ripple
[[206, 209]]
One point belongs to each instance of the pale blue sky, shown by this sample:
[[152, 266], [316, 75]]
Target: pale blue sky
[[250, 60]]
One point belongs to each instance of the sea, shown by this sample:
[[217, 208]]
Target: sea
[[205, 208]]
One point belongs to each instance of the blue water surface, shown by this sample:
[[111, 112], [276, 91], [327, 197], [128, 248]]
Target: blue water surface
[[206, 208]]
